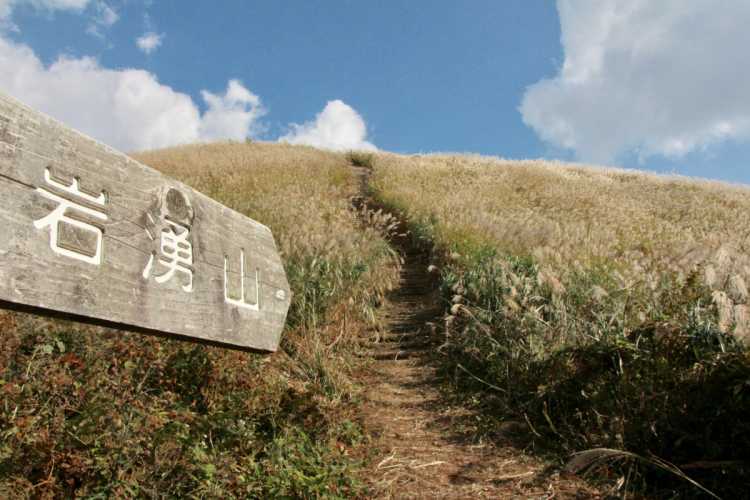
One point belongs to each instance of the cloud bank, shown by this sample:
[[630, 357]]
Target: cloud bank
[[338, 127], [128, 109], [650, 78], [131, 110]]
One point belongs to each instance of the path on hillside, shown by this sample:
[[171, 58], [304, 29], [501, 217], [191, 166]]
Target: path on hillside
[[426, 448]]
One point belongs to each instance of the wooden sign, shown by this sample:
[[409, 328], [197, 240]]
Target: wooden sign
[[89, 232]]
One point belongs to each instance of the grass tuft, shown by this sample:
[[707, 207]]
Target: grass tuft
[[360, 158]]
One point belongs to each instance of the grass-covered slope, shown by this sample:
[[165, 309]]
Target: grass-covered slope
[[93, 412], [603, 308]]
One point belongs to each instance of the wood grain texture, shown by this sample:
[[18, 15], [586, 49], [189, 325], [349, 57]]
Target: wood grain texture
[[79, 223]]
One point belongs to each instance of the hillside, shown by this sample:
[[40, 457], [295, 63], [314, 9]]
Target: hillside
[[459, 327], [93, 412], [604, 308]]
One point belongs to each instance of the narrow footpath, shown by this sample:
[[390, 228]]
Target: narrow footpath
[[426, 447]]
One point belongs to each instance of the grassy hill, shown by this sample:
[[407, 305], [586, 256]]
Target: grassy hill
[[598, 309], [603, 308]]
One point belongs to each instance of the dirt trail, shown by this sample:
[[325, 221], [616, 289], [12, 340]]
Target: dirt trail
[[426, 447]]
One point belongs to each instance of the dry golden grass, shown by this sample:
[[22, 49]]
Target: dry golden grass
[[302, 194], [640, 227], [602, 307]]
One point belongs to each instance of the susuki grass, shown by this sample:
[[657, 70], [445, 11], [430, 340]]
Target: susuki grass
[[92, 412], [605, 308]]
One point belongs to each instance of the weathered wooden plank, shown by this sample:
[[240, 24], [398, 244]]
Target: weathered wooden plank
[[87, 231]]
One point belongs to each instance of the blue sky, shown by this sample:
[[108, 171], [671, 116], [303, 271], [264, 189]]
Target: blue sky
[[518, 78]]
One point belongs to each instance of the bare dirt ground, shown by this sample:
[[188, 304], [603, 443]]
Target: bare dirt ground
[[426, 447]]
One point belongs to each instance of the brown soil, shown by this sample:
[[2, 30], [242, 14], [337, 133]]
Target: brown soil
[[426, 447]]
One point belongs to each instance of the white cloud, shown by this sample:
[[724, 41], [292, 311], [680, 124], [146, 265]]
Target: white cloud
[[104, 17], [234, 115], [56, 4], [128, 109], [149, 42], [338, 127], [6, 6], [652, 78]]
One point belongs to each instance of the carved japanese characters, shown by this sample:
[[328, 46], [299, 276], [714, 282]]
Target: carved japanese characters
[[87, 232], [77, 216]]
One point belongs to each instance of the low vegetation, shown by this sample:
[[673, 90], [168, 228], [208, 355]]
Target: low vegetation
[[101, 413], [605, 309]]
